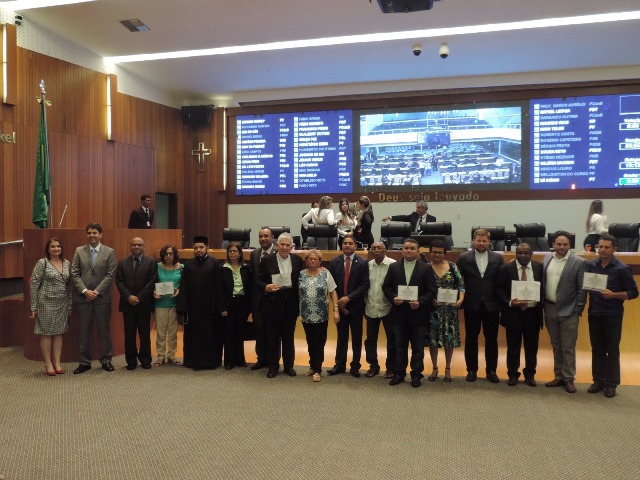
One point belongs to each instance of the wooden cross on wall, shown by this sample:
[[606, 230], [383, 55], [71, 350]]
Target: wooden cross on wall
[[200, 153]]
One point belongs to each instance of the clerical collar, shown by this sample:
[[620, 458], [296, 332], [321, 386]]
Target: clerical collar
[[203, 258]]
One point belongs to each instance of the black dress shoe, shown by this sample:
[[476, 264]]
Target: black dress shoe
[[596, 387], [513, 381], [372, 372], [397, 379], [228, 367], [82, 368], [415, 381], [610, 392], [146, 366], [569, 386], [556, 382], [260, 364], [131, 366], [530, 381], [492, 377], [107, 367], [290, 371], [272, 373], [336, 370], [241, 364], [355, 372], [471, 376]]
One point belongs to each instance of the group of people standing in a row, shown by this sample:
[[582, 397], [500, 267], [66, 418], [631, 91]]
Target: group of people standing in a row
[[416, 302]]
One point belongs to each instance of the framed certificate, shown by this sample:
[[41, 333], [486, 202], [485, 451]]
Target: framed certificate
[[447, 295], [594, 281], [408, 292], [529, 291], [281, 279], [164, 288]]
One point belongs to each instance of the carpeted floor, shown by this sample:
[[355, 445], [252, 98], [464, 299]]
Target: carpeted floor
[[173, 423]]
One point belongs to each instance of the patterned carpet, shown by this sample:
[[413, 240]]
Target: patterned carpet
[[173, 423]]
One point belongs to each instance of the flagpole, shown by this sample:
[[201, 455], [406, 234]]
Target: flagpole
[[46, 146]]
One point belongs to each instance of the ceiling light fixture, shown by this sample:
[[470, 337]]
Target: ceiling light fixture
[[383, 37], [135, 25]]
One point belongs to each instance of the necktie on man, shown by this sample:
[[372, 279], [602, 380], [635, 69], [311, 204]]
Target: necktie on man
[[136, 264], [94, 254], [523, 278], [347, 270]]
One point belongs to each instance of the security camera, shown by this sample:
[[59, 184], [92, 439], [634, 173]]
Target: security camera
[[444, 51], [417, 50]]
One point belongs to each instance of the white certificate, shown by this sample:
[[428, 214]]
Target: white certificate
[[164, 288], [281, 279], [407, 292], [447, 295], [529, 291], [594, 281]]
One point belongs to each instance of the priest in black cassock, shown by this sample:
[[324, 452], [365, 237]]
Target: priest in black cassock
[[197, 300]]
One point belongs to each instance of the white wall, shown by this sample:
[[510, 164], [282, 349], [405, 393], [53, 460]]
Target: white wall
[[555, 214]]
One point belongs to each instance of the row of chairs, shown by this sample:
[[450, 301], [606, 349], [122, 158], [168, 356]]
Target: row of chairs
[[393, 235]]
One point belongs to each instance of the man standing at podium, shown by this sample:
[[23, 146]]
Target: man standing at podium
[[415, 218], [142, 217], [92, 272]]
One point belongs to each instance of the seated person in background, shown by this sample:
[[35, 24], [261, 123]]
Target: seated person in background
[[303, 229], [415, 218], [323, 215]]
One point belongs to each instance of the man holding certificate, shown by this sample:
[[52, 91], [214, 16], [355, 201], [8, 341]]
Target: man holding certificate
[[605, 314], [411, 290], [520, 287], [277, 279]]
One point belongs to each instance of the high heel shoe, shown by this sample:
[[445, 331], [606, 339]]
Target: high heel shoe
[[447, 375], [60, 371], [434, 375], [51, 374]]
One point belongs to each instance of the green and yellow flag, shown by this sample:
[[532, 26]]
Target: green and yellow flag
[[41, 192]]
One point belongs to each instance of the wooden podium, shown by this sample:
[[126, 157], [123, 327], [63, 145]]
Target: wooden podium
[[71, 238]]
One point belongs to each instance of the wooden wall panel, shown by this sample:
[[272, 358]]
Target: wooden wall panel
[[96, 179]]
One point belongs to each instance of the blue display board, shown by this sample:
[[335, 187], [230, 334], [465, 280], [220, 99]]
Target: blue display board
[[294, 153], [585, 142]]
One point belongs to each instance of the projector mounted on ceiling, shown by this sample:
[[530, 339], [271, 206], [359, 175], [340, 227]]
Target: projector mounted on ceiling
[[405, 6]]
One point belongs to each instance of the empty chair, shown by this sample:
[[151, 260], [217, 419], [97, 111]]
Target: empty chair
[[627, 236], [276, 231], [438, 228], [240, 235], [394, 234], [322, 237], [534, 234], [496, 236]]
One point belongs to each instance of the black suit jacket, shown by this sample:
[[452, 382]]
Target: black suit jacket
[[509, 273], [421, 278], [272, 303], [478, 289], [412, 219], [254, 261], [138, 218], [358, 282], [141, 284], [225, 287]]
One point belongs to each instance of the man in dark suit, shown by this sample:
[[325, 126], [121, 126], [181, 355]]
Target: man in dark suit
[[278, 278], [92, 272], [409, 318], [564, 301], [135, 280], [521, 319], [142, 217], [265, 238], [351, 274], [415, 218], [479, 268]]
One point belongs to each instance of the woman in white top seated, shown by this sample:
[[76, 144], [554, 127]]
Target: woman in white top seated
[[596, 224], [323, 215]]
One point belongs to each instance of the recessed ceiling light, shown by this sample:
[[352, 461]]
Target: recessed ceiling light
[[135, 25]]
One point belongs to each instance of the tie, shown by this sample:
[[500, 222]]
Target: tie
[[264, 253], [523, 276], [418, 224], [94, 253], [136, 264], [347, 269]]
